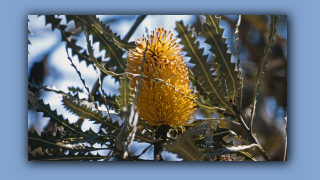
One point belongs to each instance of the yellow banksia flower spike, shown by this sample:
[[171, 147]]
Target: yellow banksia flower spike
[[158, 103]]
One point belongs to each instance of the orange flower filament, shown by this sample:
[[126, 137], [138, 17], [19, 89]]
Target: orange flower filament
[[158, 103]]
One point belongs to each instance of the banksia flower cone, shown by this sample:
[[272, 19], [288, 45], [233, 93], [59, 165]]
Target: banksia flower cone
[[158, 103]]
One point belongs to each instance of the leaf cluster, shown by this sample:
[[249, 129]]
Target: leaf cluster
[[216, 83]]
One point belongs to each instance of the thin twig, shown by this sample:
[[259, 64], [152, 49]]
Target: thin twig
[[135, 26], [144, 151], [100, 83], [249, 133], [285, 146]]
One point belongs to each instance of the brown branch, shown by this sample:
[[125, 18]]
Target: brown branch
[[249, 133], [135, 26]]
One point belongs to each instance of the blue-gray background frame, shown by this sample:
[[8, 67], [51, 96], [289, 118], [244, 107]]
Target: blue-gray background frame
[[303, 73]]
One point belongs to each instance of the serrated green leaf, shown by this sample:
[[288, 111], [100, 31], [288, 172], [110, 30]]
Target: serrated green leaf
[[46, 140], [213, 35], [50, 19], [214, 22], [125, 98], [82, 80], [86, 112], [263, 62], [95, 61], [107, 32], [112, 51], [81, 156], [209, 83], [185, 148], [29, 32], [201, 94], [74, 90], [55, 118], [53, 89]]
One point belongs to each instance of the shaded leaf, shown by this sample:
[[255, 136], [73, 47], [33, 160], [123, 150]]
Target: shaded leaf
[[87, 113], [209, 82], [213, 35], [185, 148], [55, 118], [263, 62], [107, 32], [125, 98], [248, 157]]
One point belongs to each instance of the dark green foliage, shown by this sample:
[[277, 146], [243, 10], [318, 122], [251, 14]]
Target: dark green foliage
[[108, 98], [214, 21], [86, 112], [112, 51], [226, 69], [263, 62], [107, 32], [71, 133], [247, 156], [203, 139], [109, 41], [72, 156], [203, 70], [185, 148], [125, 98], [74, 90], [55, 118], [47, 88], [46, 140]]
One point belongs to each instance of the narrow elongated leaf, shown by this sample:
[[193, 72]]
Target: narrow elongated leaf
[[74, 90], [55, 118], [90, 50], [66, 36], [112, 51], [209, 82], [46, 140], [116, 62], [107, 32], [125, 98], [214, 22], [213, 35], [80, 156], [85, 112], [263, 62], [248, 157], [236, 40], [53, 89]]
